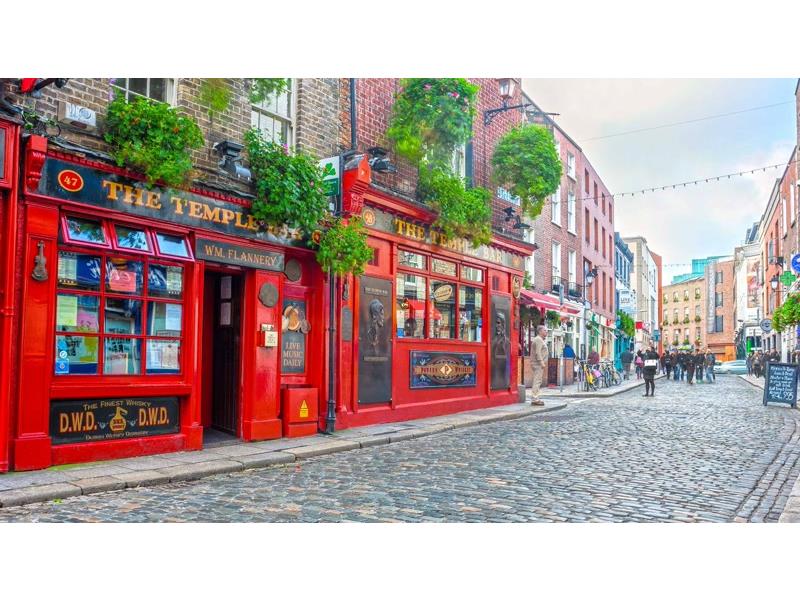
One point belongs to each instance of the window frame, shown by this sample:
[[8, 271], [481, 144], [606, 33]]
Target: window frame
[[171, 91], [292, 120], [458, 281], [144, 296], [67, 239], [555, 207]]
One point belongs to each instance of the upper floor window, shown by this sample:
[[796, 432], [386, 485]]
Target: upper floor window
[[162, 90], [571, 212], [274, 116], [555, 207], [571, 165]]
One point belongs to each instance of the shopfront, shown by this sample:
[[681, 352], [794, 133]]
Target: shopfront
[[432, 327], [151, 317]]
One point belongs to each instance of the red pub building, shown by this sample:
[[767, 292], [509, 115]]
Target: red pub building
[[140, 320]]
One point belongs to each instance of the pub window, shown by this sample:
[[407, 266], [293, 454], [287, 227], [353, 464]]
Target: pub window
[[411, 296], [472, 274], [84, 231], [274, 116], [443, 267], [117, 314], [162, 90], [172, 245], [411, 259], [443, 310], [470, 302]]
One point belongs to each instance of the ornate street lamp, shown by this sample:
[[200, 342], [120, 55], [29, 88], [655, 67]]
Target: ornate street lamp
[[507, 86]]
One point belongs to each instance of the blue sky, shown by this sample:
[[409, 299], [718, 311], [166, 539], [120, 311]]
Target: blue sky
[[691, 222]]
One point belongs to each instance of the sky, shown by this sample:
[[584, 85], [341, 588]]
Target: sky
[[696, 221]]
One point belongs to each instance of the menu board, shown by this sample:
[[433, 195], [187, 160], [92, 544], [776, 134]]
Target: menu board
[[781, 384]]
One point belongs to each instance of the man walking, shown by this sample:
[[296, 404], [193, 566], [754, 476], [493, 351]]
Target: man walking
[[627, 358], [688, 362], [711, 361], [699, 364], [649, 370], [539, 356]]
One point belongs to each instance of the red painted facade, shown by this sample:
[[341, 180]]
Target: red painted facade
[[236, 367]]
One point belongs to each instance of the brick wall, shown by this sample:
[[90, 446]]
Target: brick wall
[[546, 232], [599, 203], [669, 304], [375, 98], [722, 342], [317, 124]]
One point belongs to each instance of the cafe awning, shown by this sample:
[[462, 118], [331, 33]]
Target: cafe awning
[[544, 302]]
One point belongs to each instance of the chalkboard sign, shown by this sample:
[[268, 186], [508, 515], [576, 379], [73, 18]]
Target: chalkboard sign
[[781, 384]]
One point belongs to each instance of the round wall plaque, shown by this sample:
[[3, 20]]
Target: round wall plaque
[[268, 295], [293, 270]]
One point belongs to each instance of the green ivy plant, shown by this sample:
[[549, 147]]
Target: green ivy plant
[[215, 95], [430, 119], [552, 318], [526, 163], [463, 212], [261, 89], [527, 283], [288, 184], [626, 324], [787, 314], [343, 247], [152, 137]]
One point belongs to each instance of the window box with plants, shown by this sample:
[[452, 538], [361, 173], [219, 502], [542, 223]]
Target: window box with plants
[[685, 320], [697, 319]]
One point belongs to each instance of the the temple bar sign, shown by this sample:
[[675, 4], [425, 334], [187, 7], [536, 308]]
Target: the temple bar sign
[[233, 254]]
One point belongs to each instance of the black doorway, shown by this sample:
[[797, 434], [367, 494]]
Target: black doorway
[[223, 299]]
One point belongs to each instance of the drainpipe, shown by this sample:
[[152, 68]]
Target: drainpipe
[[330, 417]]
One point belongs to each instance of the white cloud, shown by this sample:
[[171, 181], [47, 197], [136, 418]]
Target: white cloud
[[694, 221]]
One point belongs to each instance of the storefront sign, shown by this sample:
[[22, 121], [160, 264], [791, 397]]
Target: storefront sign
[[74, 421], [443, 267], [781, 384], [374, 343], [766, 325], [443, 292], [233, 254], [330, 175], [114, 192], [442, 369], [501, 343], [293, 340], [383, 221]]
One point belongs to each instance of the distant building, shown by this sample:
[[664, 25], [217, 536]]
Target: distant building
[[683, 316], [645, 282], [747, 283], [720, 302]]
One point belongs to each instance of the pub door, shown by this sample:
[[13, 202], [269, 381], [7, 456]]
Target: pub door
[[222, 351]]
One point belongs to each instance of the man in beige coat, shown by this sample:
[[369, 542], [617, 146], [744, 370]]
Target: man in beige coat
[[539, 356]]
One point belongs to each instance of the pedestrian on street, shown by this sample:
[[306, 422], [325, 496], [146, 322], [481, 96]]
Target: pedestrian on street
[[539, 357], [775, 356], [661, 363], [689, 366], [667, 364], [649, 370], [568, 351], [757, 364], [627, 358], [681, 366], [639, 362], [674, 361], [711, 361], [699, 364], [749, 362]]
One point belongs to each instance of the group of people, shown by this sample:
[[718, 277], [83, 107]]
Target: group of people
[[676, 365], [757, 361], [688, 366]]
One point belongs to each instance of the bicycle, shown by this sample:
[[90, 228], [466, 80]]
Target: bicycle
[[586, 377]]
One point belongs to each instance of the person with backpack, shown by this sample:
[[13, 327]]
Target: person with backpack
[[639, 362], [650, 366]]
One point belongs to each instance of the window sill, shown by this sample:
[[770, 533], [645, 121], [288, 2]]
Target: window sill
[[408, 340], [556, 223], [110, 386]]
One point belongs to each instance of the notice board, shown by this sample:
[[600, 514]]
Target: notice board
[[781, 384]]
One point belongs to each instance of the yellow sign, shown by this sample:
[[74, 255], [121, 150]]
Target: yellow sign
[[303, 410]]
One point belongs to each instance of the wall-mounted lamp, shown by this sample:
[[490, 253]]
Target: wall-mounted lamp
[[507, 86], [590, 276], [230, 152], [379, 161]]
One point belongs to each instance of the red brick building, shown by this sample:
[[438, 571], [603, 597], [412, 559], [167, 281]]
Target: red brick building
[[720, 330]]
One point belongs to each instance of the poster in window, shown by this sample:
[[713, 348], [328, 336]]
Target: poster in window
[[67, 311], [293, 339], [173, 320], [121, 281], [174, 280], [374, 341], [501, 342]]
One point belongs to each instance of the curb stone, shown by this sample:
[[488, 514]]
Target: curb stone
[[791, 510], [232, 464]]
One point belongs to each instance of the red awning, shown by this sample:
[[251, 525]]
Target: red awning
[[542, 301]]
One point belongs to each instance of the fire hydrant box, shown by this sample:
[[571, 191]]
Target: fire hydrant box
[[299, 412]]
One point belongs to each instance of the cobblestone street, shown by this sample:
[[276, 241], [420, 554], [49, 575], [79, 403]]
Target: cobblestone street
[[693, 453]]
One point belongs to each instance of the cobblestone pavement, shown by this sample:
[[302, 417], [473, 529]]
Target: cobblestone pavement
[[692, 453]]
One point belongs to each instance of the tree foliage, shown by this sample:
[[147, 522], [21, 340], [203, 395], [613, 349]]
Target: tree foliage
[[343, 247], [153, 138], [526, 163]]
